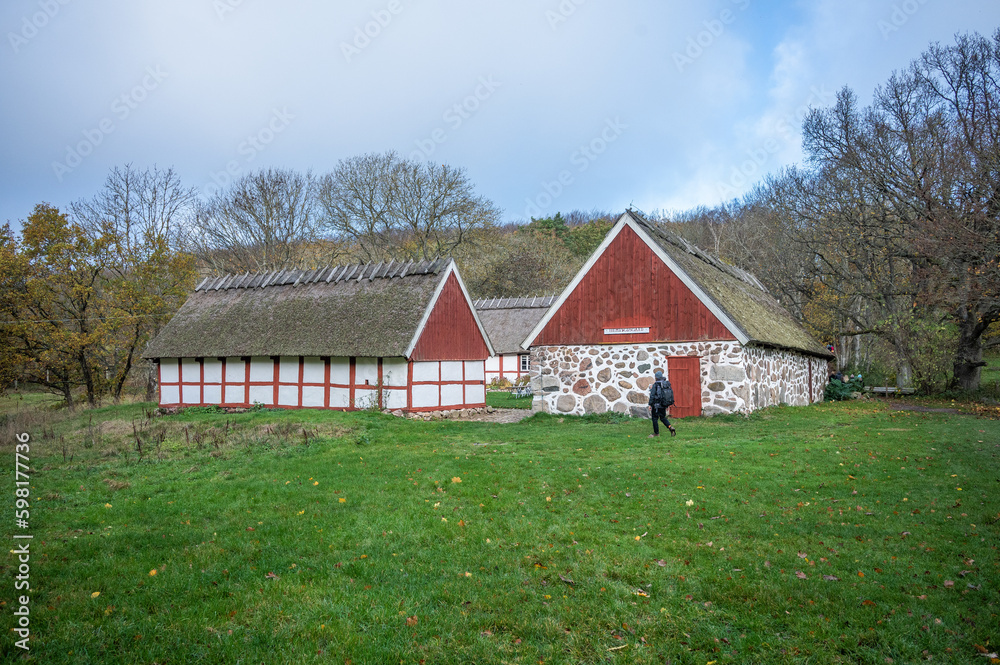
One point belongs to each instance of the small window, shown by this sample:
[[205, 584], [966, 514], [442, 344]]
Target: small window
[[524, 363]]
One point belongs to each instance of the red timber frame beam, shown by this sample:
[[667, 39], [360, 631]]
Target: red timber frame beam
[[308, 393], [441, 384]]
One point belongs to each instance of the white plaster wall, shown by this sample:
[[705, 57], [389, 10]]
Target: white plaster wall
[[475, 394], [475, 370], [169, 372], [340, 398], [288, 395], [425, 396], [394, 399], [452, 395], [261, 394], [261, 369], [312, 396], [340, 371], [212, 394], [170, 395], [235, 371], [366, 369], [191, 394], [288, 370], [213, 370], [314, 370], [451, 371], [235, 394], [190, 370], [394, 371], [426, 372]]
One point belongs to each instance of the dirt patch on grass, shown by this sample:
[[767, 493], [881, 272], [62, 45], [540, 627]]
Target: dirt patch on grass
[[498, 416]]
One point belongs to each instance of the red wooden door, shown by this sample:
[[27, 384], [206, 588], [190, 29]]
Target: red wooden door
[[684, 375]]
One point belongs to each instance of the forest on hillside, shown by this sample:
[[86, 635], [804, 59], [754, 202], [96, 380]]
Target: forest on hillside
[[885, 242]]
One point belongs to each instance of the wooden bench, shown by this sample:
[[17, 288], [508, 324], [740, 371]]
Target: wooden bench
[[889, 390]]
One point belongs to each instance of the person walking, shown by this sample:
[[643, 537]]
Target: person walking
[[661, 398]]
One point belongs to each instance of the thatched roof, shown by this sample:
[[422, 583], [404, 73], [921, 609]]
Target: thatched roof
[[740, 296], [354, 310], [508, 320]]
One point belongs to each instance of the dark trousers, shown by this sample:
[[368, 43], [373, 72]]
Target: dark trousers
[[659, 413]]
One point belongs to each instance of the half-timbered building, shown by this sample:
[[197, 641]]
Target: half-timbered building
[[647, 299], [507, 321], [395, 336]]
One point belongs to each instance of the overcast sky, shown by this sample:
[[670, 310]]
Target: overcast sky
[[550, 105]]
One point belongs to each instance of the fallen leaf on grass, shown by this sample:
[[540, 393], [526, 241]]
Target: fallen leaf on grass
[[661, 563], [567, 580], [411, 621], [638, 592], [831, 578], [965, 572], [870, 603], [802, 555], [949, 584], [272, 576], [802, 576]]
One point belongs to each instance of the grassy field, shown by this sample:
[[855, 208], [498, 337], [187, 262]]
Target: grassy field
[[838, 533]]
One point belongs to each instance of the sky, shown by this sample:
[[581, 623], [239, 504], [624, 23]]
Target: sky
[[549, 105]]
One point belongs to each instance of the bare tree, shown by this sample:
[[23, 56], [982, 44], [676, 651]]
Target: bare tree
[[265, 221], [391, 208], [139, 217], [929, 149]]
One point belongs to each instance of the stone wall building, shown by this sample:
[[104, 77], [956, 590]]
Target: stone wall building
[[647, 300]]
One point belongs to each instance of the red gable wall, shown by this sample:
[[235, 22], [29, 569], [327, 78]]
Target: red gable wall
[[630, 287], [451, 332]]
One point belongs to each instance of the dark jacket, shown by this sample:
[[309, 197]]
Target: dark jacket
[[664, 383]]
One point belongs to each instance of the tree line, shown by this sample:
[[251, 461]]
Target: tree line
[[83, 291], [885, 241]]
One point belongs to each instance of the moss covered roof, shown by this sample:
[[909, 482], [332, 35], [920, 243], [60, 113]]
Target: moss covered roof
[[357, 310], [737, 293]]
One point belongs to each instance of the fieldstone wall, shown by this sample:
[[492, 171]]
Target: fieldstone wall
[[782, 377], [597, 378], [584, 379]]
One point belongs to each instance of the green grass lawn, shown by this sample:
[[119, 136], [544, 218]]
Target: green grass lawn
[[838, 533], [501, 399]]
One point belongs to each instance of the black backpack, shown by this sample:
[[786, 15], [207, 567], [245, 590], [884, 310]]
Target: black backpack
[[663, 394]]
